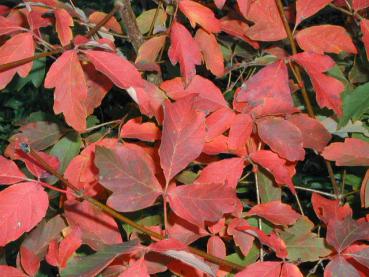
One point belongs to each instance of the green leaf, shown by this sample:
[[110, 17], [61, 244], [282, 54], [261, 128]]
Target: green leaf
[[145, 19], [36, 76], [240, 259], [268, 190], [355, 104], [93, 264], [302, 244]]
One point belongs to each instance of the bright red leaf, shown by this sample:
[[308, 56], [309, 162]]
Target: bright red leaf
[[146, 131], [352, 152], [64, 22], [9, 271], [184, 49], [270, 269], [200, 14], [282, 136], [325, 39], [183, 136], [7, 26], [127, 172], [290, 270], [136, 269], [10, 173], [18, 47], [198, 203], [211, 52], [218, 122], [240, 133], [67, 77], [307, 8], [22, 207], [276, 212]]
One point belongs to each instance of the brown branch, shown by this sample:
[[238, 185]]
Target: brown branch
[[305, 95], [130, 23], [113, 213]]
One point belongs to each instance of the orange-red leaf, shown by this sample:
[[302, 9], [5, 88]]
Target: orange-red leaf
[[9, 271], [307, 8], [183, 136], [360, 4], [238, 29], [67, 77], [134, 128], [149, 51], [198, 203], [276, 212], [328, 89], [7, 26], [112, 24], [352, 152], [240, 132], [18, 47], [64, 22], [325, 39], [282, 136], [184, 49], [120, 71], [200, 14], [22, 207], [218, 122], [270, 269], [211, 52], [10, 173]]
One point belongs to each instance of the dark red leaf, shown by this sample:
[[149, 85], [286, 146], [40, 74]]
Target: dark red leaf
[[340, 267]]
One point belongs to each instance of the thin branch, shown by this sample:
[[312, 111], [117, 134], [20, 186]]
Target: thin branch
[[80, 194], [261, 251], [316, 191]]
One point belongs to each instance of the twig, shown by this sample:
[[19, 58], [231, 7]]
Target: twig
[[80, 194], [316, 191], [261, 251]]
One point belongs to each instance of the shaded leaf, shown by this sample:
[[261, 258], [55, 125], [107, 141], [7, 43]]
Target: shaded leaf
[[355, 103], [364, 191], [112, 24], [238, 29]]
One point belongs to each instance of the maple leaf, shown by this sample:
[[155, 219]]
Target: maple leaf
[[134, 128], [184, 49], [226, 171], [67, 77], [328, 89], [112, 24], [22, 207], [269, 82], [364, 25], [314, 134], [276, 212], [200, 203], [127, 172], [211, 52], [352, 152], [282, 136], [183, 136], [200, 14], [18, 47], [98, 228], [7, 26], [120, 71], [268, 23], [237, 28], [325, 39], [63, 25], [307, 8], [10, 173]]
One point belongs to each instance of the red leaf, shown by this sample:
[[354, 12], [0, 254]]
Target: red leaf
[[268, 23], [148, 53], [18, 47], [112, 24], [360, 4], [97, 227], [134, 128], [227, 171], [211, 52], [364, 25], [325, 39], [314, 134], [10, 173], [343, 233], [200, 14], [271, 81], [216, 146], [276, 212], [237, 28], [22, 207], [8, 271], [120, 71], [63, 25], [307, 8], [7, 26], [36, 169], [282, 136], [136, 269], [328, 89], [352, 152], [217, 248], [270, 269], [361, 256], [182, 138], [290, 270], [240, 132], [4, 10], [329, 210], [29, 261], [340, 267], [198, 203], [67, 77], [218, 122], [243, 240], [129, 174], [275, 165], [184, 49]]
